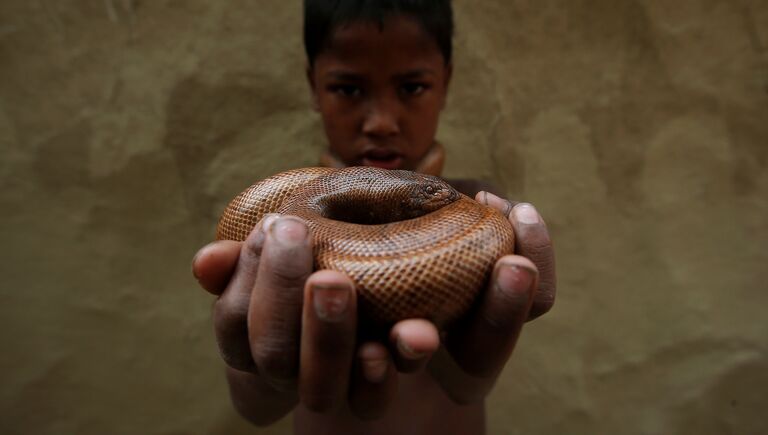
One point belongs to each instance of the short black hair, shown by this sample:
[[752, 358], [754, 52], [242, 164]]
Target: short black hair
[[322, 17]]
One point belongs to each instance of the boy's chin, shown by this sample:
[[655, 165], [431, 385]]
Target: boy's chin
[[392, 163]]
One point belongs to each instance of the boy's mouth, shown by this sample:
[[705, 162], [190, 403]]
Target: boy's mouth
[[382, 158]]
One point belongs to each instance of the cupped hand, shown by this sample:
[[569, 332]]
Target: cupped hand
[[288, 335], [521, 288]]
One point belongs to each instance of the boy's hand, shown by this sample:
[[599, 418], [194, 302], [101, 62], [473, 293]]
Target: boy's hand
[[288, 335], [522, 288], [532, 242], [295, 339]]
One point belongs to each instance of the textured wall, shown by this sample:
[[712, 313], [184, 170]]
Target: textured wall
[[638, 127]]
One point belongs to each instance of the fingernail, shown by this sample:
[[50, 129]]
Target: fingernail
[[268, 220], [260, 234], [526, 214], [374, 371], [513, 279], [330, 302], [194, 260], [407, 351], [288, 231]]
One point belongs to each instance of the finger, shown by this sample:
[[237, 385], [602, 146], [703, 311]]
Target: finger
[[491, 330], [502, 205], [533, 242], [374, 383], [230, 313], [413, 342], [214, 265], [274, 316], [327, 340]]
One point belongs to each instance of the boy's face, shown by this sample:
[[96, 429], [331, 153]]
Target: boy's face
[[380, 92]]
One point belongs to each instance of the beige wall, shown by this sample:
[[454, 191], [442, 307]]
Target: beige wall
[[638, 127]]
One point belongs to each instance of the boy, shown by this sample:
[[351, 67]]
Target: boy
[[379, 73]]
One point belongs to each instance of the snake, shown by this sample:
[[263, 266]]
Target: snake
[[413, 246]]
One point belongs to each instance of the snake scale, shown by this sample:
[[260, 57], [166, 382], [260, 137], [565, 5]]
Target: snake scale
[[414, 246]]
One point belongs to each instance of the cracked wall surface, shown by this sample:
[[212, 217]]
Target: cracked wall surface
[[639, 128]]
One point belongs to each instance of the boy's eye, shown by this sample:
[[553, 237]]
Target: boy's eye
[[346, 90], [413, 89]]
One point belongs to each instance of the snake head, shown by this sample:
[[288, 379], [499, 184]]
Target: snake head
[[432, 193]]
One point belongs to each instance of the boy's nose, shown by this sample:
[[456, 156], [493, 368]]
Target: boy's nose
[[381, 121]]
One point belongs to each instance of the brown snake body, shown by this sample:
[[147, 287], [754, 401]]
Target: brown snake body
[[413, 246]]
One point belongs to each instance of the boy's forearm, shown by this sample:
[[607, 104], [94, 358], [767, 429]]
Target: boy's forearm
[[256, 400]]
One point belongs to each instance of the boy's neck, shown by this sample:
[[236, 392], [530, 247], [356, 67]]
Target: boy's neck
[[431, 164]]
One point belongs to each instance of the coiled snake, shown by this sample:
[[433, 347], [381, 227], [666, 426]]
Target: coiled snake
[[414, 246]]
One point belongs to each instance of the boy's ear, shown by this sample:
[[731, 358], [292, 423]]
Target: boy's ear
[[312, 89], [448, 75]]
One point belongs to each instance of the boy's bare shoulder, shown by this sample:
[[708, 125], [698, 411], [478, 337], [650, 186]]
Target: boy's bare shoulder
[[470, 187]]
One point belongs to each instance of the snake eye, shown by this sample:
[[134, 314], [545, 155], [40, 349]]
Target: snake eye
[[430, 190]]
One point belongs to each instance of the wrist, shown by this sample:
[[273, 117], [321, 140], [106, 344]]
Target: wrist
[[459, 386], [255, 400]]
